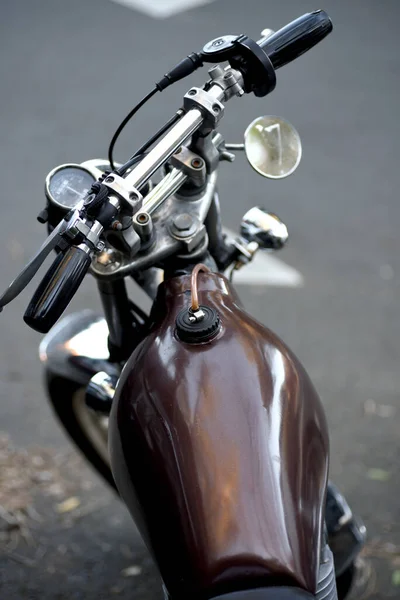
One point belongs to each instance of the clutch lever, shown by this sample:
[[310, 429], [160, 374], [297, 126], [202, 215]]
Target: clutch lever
[[30, 270]]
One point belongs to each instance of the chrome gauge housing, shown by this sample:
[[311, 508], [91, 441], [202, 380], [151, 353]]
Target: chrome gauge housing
[[67, 184]]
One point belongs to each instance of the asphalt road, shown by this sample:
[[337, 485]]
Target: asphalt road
[[69, 72]]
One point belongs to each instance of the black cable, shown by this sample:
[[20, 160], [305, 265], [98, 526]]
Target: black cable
[[125, 121], [184, 68], [142, 150], [100, 194], [159, 133], [130, 163]]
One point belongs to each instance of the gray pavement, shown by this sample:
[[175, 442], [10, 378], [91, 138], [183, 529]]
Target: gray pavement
[[69, 72]]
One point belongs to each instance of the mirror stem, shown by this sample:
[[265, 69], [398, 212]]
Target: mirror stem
[[234, 146]]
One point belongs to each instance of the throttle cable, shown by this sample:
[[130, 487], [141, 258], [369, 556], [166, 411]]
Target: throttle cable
[[184, 68]]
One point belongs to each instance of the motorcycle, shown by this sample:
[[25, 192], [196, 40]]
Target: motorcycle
[[201, 418]]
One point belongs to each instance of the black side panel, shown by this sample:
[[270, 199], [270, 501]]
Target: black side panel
[[271, 593]]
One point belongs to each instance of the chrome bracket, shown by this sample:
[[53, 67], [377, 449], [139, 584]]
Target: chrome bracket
[[90, 234], [132, 198], [228, 79], [211, 108], [191, 164], [196, 316]]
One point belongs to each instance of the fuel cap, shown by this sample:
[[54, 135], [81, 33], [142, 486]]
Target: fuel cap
[[193, 329]]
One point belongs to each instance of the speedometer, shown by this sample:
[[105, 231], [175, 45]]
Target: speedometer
[[67, 184]]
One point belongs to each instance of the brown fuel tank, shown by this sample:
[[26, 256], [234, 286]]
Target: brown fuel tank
[[220, 451]]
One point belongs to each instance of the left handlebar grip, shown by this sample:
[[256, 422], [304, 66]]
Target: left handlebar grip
[[57, 288]]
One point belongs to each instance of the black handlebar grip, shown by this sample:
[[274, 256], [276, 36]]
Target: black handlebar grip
[[296, 38], [57, 289]]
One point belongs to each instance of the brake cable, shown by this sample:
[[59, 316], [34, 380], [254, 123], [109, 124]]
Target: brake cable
[[124, 122]]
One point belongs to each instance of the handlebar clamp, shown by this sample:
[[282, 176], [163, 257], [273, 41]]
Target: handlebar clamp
[[211, 108], [129, 196]]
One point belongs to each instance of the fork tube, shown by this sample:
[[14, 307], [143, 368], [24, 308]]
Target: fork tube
[[114, 299]]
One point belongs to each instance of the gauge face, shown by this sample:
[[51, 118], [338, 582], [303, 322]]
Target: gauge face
[[67, 185]]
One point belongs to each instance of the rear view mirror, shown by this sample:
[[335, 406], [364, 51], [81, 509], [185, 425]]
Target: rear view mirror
[[273, 147]]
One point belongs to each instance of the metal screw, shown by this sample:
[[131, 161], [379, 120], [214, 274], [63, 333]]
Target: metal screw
[[109, 179], [196, 163], [183, 222], [117, 225], [192, 92], [216, 108], [133, 196]]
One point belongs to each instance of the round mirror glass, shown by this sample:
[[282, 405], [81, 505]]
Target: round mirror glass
[[272, 146]]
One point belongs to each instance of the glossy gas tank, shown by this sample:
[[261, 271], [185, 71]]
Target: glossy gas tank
[[220, 451]]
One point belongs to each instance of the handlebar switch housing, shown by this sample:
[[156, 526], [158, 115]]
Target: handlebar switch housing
[[245, 55]]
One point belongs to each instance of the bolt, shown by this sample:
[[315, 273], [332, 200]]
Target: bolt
[[183, 222], [196, 163], [218, 42], [109, 179], [216, 108], [192, 92], [117, 225], [227, 75], [133, 196], [142, 218]]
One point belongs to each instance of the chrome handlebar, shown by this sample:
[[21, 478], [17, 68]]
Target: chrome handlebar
[[199, 103]]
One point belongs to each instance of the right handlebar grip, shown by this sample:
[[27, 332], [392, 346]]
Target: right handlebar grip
[[296, 38], [57, 289]]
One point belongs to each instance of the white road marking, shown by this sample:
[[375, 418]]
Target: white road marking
[[265, 269], [162, 9]]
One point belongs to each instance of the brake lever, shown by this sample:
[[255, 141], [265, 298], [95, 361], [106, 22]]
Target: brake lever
[[30, 270]]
